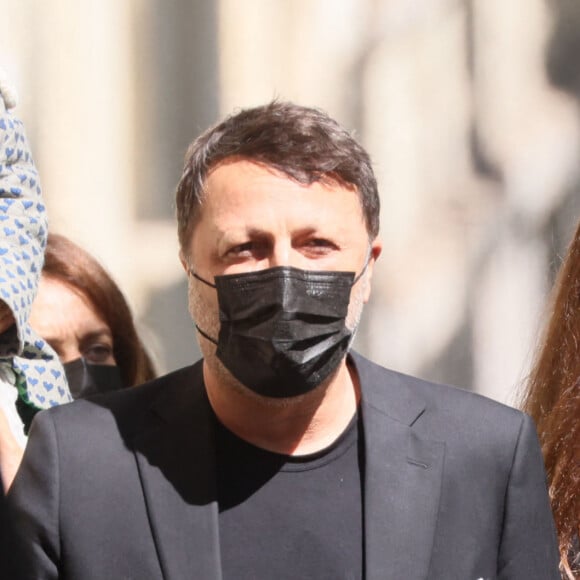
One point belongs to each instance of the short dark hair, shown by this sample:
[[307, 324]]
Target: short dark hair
[[70, 264], [303, 143]]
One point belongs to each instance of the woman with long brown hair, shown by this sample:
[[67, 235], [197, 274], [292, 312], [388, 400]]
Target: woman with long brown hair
[[553, 400], [70, 272], [82, 314]]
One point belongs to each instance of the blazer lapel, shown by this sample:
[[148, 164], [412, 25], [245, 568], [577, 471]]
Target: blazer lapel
[[176, 462], [402, 478]]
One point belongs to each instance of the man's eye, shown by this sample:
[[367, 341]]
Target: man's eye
[[253, 249], [241, 249], [320, 242], [320, 245], [98, 353]]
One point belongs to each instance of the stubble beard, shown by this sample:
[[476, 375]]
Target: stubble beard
[[205, 314]]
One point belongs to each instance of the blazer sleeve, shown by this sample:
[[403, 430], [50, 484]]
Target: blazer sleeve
[[528, 547], [33, 501]]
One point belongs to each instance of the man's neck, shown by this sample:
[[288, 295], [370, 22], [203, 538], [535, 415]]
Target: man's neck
[[298, 426]]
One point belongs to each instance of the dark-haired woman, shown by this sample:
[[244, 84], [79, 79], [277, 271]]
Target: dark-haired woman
[[81, 312], [553, 400]]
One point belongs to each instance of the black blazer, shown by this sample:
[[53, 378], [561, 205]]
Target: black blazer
[[123, 486]]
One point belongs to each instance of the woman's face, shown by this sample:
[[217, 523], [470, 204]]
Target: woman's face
[[68, 322]]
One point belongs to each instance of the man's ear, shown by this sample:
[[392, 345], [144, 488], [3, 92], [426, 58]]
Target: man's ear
[[184, 261], [376, 249]]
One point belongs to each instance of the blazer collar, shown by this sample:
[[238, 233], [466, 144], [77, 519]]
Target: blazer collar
[[402, 477]]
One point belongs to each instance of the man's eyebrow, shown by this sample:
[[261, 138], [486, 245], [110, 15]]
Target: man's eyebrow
[[241, 232]]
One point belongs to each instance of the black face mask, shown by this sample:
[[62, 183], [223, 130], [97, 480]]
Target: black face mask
[[86, 378], [282, 330]]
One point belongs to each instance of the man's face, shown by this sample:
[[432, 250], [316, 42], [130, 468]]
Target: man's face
[[253, 218]]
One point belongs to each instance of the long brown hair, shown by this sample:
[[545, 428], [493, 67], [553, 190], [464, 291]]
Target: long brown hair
[[69, 263], [553, 400]]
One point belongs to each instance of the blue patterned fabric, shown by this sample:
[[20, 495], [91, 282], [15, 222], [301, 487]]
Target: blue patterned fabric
[[23, 228]]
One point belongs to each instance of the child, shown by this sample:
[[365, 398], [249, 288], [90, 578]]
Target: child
[[31, 377]]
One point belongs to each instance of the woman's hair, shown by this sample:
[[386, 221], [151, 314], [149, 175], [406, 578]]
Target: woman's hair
[[552, 398], [70, 264]]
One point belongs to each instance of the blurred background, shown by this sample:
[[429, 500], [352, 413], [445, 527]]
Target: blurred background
[[469, 109]]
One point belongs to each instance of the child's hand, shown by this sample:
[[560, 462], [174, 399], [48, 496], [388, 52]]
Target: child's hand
[[8, 94]]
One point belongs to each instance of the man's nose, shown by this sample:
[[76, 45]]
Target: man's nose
[[283, 254], [279, 256]]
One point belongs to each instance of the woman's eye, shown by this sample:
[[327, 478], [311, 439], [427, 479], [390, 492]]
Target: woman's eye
[[99, 354]]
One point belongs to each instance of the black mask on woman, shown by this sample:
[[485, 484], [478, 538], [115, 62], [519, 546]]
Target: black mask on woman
[[85, 378], [282, 330]]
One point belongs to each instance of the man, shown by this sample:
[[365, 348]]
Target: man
[[281, 455]]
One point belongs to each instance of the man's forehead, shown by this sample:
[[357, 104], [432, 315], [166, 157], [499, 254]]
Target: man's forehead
[[243, 196], [330, 179]]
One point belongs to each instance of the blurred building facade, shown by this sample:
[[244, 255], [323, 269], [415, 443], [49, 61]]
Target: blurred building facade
[[469, 109]]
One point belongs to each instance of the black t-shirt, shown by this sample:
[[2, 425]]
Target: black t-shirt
[[284, 517]]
